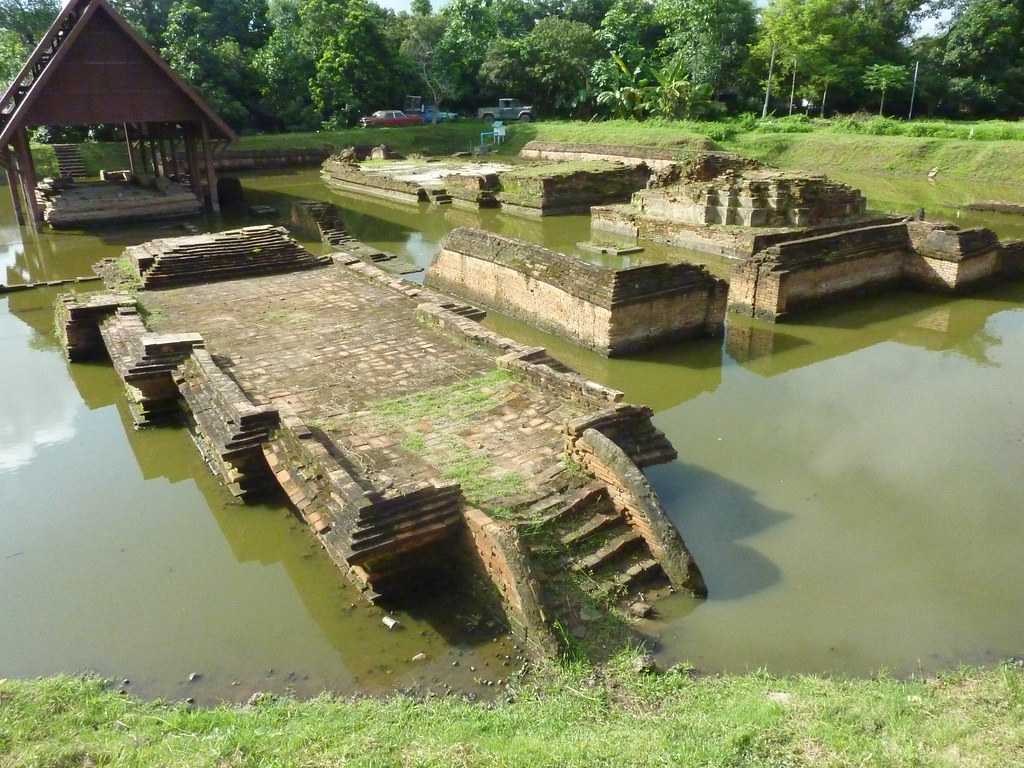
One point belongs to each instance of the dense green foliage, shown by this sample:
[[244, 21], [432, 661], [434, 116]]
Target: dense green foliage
[[271, 65], [576, 717]]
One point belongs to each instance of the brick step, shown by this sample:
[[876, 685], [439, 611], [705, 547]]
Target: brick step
[[591, 527], [609, 552], [564, 508], [646, 570]]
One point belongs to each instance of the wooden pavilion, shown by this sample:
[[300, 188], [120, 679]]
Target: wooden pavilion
[[92, 68]]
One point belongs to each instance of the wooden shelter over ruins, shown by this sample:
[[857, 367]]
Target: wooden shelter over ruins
[[92, 68]]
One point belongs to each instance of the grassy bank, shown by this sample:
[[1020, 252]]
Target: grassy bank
[[615, 718], [994, 161], [443, 139], [873, 146]]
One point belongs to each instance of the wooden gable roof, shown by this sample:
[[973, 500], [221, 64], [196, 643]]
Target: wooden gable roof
[[90, 68]]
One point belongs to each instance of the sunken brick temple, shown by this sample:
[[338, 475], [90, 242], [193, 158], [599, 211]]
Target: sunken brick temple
[[407, 435]]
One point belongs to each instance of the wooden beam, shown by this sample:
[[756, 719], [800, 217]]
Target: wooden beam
[[211, 173]]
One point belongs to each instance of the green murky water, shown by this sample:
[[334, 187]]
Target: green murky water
[[849, 485]]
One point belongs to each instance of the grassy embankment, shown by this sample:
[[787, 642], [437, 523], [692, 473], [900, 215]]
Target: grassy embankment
[[984, 151], [578, 718]]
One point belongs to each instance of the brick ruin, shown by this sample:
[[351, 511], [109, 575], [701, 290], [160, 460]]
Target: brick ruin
[[795, 274], [67, 203], [612, 311], [721, 204], [655, 158], [535, 189], [404, 433]]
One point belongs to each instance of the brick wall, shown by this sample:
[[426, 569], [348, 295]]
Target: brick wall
[[496, 550]]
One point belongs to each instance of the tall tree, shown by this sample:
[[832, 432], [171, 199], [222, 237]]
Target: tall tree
[[13, 53], [884, 78], [711, 36], [29, 19]]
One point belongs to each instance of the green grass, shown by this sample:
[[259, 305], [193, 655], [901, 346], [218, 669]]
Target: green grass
[[983, 150], [576, 717], [455, 403], [995, 161], [448, 409]]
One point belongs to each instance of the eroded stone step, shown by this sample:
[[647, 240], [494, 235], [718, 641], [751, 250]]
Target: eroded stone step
[[592, 526], [609, 552], [644, 570]]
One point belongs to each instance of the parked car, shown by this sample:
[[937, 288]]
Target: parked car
[[390, 118], [442, 117], [507, 109]]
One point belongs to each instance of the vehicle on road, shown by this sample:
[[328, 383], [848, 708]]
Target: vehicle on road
[[390, 118], [507, 109]]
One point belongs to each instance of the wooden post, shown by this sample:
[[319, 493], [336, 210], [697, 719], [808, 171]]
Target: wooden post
[[173, 141], [128, 143], [27, 172], [12, 184], [158, 161], [143, 157], [211, 173], [193, 164]]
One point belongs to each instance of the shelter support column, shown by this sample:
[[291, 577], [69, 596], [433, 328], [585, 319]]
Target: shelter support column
[[193, 165], [211, 173], [27, 173], [12, 184]]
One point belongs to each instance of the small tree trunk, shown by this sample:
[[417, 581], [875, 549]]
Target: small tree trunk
[[824, 98], [881, 104], [792, 90]]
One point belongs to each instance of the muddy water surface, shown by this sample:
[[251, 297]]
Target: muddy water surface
[[848, 483]]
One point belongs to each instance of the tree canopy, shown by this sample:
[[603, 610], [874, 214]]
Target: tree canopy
[[303, 64]]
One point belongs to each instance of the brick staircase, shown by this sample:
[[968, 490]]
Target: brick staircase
[[440, 196], [69, 161], [596, 542]]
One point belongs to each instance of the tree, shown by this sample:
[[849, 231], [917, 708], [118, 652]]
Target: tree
[[982, 56], [421, 47], [148, 16], [421, 8], [881, 78], [212, 44], [355, 66], [712, 36], [470, 29], [13, 53], [28, 19], [286, 70]]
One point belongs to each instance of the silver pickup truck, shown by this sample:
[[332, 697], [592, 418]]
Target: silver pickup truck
[[507, 109]]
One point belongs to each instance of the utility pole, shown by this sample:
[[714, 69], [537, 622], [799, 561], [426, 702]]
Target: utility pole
[[913, 91], [768, 85]]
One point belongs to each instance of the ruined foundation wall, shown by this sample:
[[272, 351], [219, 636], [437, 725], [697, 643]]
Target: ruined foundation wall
[[656, 158], [499, 553], [633, 495], [610, 311]]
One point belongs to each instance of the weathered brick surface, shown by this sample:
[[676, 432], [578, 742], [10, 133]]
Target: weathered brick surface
[[610, 310], [798, 273]]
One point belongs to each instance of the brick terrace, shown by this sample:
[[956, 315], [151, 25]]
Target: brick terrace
[[328, 344]]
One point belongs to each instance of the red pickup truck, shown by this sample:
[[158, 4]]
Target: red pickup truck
[[390, 118]]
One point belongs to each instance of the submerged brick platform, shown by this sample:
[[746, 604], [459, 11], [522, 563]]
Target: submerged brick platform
[[405, 434], [806, 272], [612, 311]]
